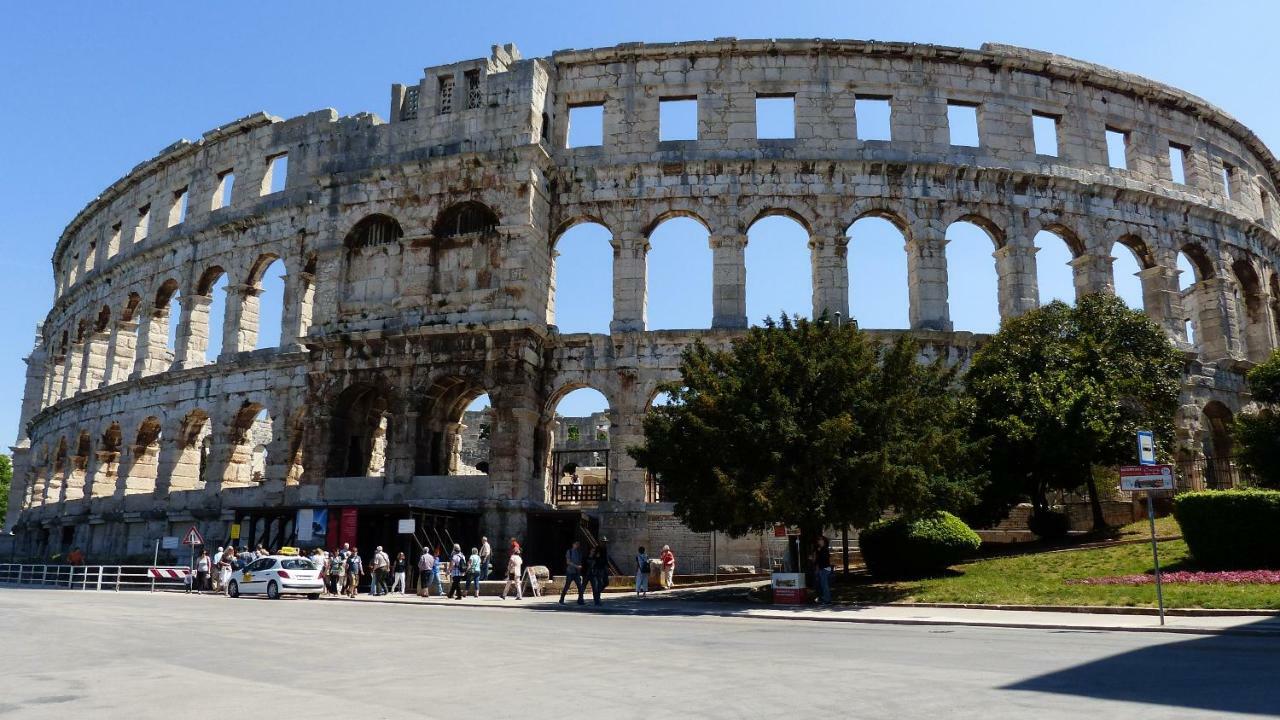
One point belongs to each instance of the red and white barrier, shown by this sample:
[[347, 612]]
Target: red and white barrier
[[169, 573]]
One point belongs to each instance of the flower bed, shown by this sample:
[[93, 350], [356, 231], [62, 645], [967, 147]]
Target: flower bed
[[1225, 577]]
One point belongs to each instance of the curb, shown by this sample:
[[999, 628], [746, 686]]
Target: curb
[[1092, 609]]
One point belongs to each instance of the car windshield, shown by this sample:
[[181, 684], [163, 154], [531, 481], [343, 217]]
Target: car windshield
[[297, 564]]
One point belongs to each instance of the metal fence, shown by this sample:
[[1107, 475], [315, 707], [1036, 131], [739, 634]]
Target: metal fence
[[1213, 474], [581, 493], [87, 577]]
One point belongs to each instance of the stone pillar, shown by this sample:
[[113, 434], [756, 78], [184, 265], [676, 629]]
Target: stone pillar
[[73, 483], [1016, 272], [1216, 337], [123, 351], [630, 283], [626, 480], [1162, 302], [295, 321], [140, 479], [193, 332], [95, 361], [927, 278], [40, 481], [53, 383], [240, 325], [1093, 274], [729, 281], [53, 484], [328, 283], [152, 354], [71, 371], [829, 258], [32, 393]]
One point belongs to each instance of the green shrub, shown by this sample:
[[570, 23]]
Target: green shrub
[[1231, 529], [1049, 525], [913, 547]]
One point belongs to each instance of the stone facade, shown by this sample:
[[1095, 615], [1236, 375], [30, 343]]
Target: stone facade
[[420, 269]]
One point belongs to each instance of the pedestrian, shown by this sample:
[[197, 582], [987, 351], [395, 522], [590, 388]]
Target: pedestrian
[[399, 568], [317, 559], [513, 547], [822, 569], [573, 571], [473, 572], [355, 568], [335, 572], [486, 559], [597, 572], [380, 565], [514, 565], [224, 567], [426, 569], [668, 567], [642, 572], [215, 571], [203, 566], [457, 572]]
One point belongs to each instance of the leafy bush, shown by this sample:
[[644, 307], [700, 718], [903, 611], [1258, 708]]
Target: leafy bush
[[1231, 528], [1049, 525], [913, 547]]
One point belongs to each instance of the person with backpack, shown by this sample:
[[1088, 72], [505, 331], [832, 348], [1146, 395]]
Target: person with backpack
[[642, 573], [514, 565], [668, 567], [573, 571], [378, 577], [457, 572], [473, 572], [335, 569]]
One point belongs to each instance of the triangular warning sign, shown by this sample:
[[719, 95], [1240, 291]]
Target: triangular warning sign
[[192, 537]]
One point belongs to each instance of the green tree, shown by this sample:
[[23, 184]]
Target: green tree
[[809, 424], [1061, 390], [1257, 434], [6, 478]]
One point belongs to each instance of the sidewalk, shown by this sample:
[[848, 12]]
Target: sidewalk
[[682, 603]]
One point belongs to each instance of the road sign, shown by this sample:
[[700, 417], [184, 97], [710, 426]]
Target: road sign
[[1146, 477], [1146, 447], [169, 542], [192, 537]]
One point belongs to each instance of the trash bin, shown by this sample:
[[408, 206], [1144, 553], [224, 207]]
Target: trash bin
[[788, 588]]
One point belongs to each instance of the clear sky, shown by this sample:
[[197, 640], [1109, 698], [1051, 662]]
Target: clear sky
[[90, 89]]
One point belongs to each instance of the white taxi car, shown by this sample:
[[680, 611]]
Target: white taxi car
[[277, 575]]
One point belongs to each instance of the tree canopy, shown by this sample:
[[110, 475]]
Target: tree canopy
[[1258, 434], [6, 478], [810, 424], [1061, 390]]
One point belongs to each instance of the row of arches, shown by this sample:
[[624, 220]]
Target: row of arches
[[166, 328], [193, 451]]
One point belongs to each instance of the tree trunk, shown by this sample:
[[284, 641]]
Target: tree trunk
[[1095, 503]]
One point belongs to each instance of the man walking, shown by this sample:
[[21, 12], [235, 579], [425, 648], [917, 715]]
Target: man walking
[[486, 559], [457, 572], [573, 571], [427, 572], [381, 563], [822, 568], [514, 565]]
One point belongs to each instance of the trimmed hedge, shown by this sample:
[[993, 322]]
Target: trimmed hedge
[[914, 547], [1231, 529], [1049, 525]]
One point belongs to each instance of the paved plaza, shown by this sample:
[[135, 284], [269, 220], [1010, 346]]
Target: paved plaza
[[166, 655]]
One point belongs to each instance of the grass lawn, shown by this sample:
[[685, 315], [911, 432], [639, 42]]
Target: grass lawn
[[1041, 579]]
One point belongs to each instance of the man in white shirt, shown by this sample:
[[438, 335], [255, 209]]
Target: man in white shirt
[[514, 565]]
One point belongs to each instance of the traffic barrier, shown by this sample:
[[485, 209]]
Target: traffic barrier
[[94, 577]]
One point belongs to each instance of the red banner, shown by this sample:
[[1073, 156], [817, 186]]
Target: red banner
[[347, 527]]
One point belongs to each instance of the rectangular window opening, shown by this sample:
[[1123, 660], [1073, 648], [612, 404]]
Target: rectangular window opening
[[474, 97], [178, 211], [1178, 163], [143, 225], [962, 124], [277, 174], [1045, 129], [874, 117], [677, 119], [445, 104], [586, 125], [222, 195], [113, 245], [775, 117], [1117, 149], [1228, 181], [90, 256]]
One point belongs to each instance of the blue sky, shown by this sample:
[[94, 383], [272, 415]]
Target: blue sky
[[89, 90]]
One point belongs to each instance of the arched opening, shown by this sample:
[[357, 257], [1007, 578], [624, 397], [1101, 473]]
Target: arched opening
[[467, 254], [191, 467], [210, 319], [1055, 275], [250, 434], [79, 473], [779, 269], [361, 424], [1193, 266], [109, 447], [578, 467], [1218, 446], [1250, 309], [582, 280], [465, 218], [454, 429], [879, 286], [57, 477], [1275, 302], [374, 262], [680, 275], [166, 315], [653, 480], [123, 350], [1127, 268], [297, 436], [262, 312], [373, 231], [973, 293]]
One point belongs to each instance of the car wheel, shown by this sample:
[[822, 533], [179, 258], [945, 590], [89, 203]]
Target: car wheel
[[273, 590], [313, 596], [233, 589]]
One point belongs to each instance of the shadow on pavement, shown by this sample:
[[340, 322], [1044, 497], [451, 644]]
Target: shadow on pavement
[[1222, 673]]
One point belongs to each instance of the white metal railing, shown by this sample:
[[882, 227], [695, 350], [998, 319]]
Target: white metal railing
[[87, 577]]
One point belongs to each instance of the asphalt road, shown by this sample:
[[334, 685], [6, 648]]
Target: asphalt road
[[137, 655]]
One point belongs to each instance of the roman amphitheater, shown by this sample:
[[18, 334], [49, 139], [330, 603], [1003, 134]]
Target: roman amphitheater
[[419, 255]]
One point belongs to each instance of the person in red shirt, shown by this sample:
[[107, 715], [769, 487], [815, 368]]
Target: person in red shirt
[[668, 567]]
